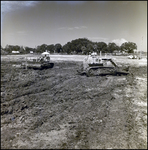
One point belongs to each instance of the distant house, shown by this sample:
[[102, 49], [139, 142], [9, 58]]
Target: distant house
[[45, 53], [31, 52], [135, 51], [117, 52], [15, 52], [125, 50], [124, 53]]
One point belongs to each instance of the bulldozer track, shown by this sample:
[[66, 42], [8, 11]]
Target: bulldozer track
[[101, 71]]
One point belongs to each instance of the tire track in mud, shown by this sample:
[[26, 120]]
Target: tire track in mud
[[102, 138], [90, 125], [113, 131]]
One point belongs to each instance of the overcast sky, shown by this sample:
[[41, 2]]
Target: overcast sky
[[32, 23]]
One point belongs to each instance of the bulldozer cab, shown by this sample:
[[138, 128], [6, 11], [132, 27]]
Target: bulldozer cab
[[45, 58], [92, 60]]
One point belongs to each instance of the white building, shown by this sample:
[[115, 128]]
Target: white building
[[15, 52]]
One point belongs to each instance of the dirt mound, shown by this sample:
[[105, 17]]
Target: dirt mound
[[57, 108]]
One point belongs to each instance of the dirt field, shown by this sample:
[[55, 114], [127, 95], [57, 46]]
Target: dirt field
[[57, 108]]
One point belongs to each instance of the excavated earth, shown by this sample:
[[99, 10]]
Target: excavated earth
[[57, 108]]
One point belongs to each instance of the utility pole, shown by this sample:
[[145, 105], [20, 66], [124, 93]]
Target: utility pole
[[26, 58], [100, 53], [35, 49], [141, 47]]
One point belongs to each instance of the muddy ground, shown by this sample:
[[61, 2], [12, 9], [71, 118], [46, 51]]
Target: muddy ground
[[57, 108]]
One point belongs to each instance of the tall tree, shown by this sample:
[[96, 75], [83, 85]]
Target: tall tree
[[129, 47], [84, 50], [66, 48], [50, 48], [102, 46], [42, 48], [28, 49], [90, 48], [58, 48], [112, 46], [22, 49]]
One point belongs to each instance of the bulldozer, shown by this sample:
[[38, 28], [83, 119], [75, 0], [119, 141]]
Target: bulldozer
[[93, 65], [42, 62]]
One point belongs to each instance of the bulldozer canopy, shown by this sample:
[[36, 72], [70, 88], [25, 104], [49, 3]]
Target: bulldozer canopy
[[45, 53]]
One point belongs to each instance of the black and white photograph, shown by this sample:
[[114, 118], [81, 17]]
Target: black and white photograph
[[74, 74]]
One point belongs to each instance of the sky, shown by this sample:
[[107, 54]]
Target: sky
[[33, 23]]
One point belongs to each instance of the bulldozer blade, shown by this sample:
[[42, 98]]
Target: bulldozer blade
[[81, 72]]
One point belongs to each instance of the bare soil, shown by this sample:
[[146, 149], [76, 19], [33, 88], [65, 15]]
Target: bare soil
[[57, 108]]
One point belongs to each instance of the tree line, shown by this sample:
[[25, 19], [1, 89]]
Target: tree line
[[78, 46]]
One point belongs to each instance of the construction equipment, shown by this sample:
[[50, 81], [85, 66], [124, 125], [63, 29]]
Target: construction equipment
[[132, 57], [93, 65], [42, 62]]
